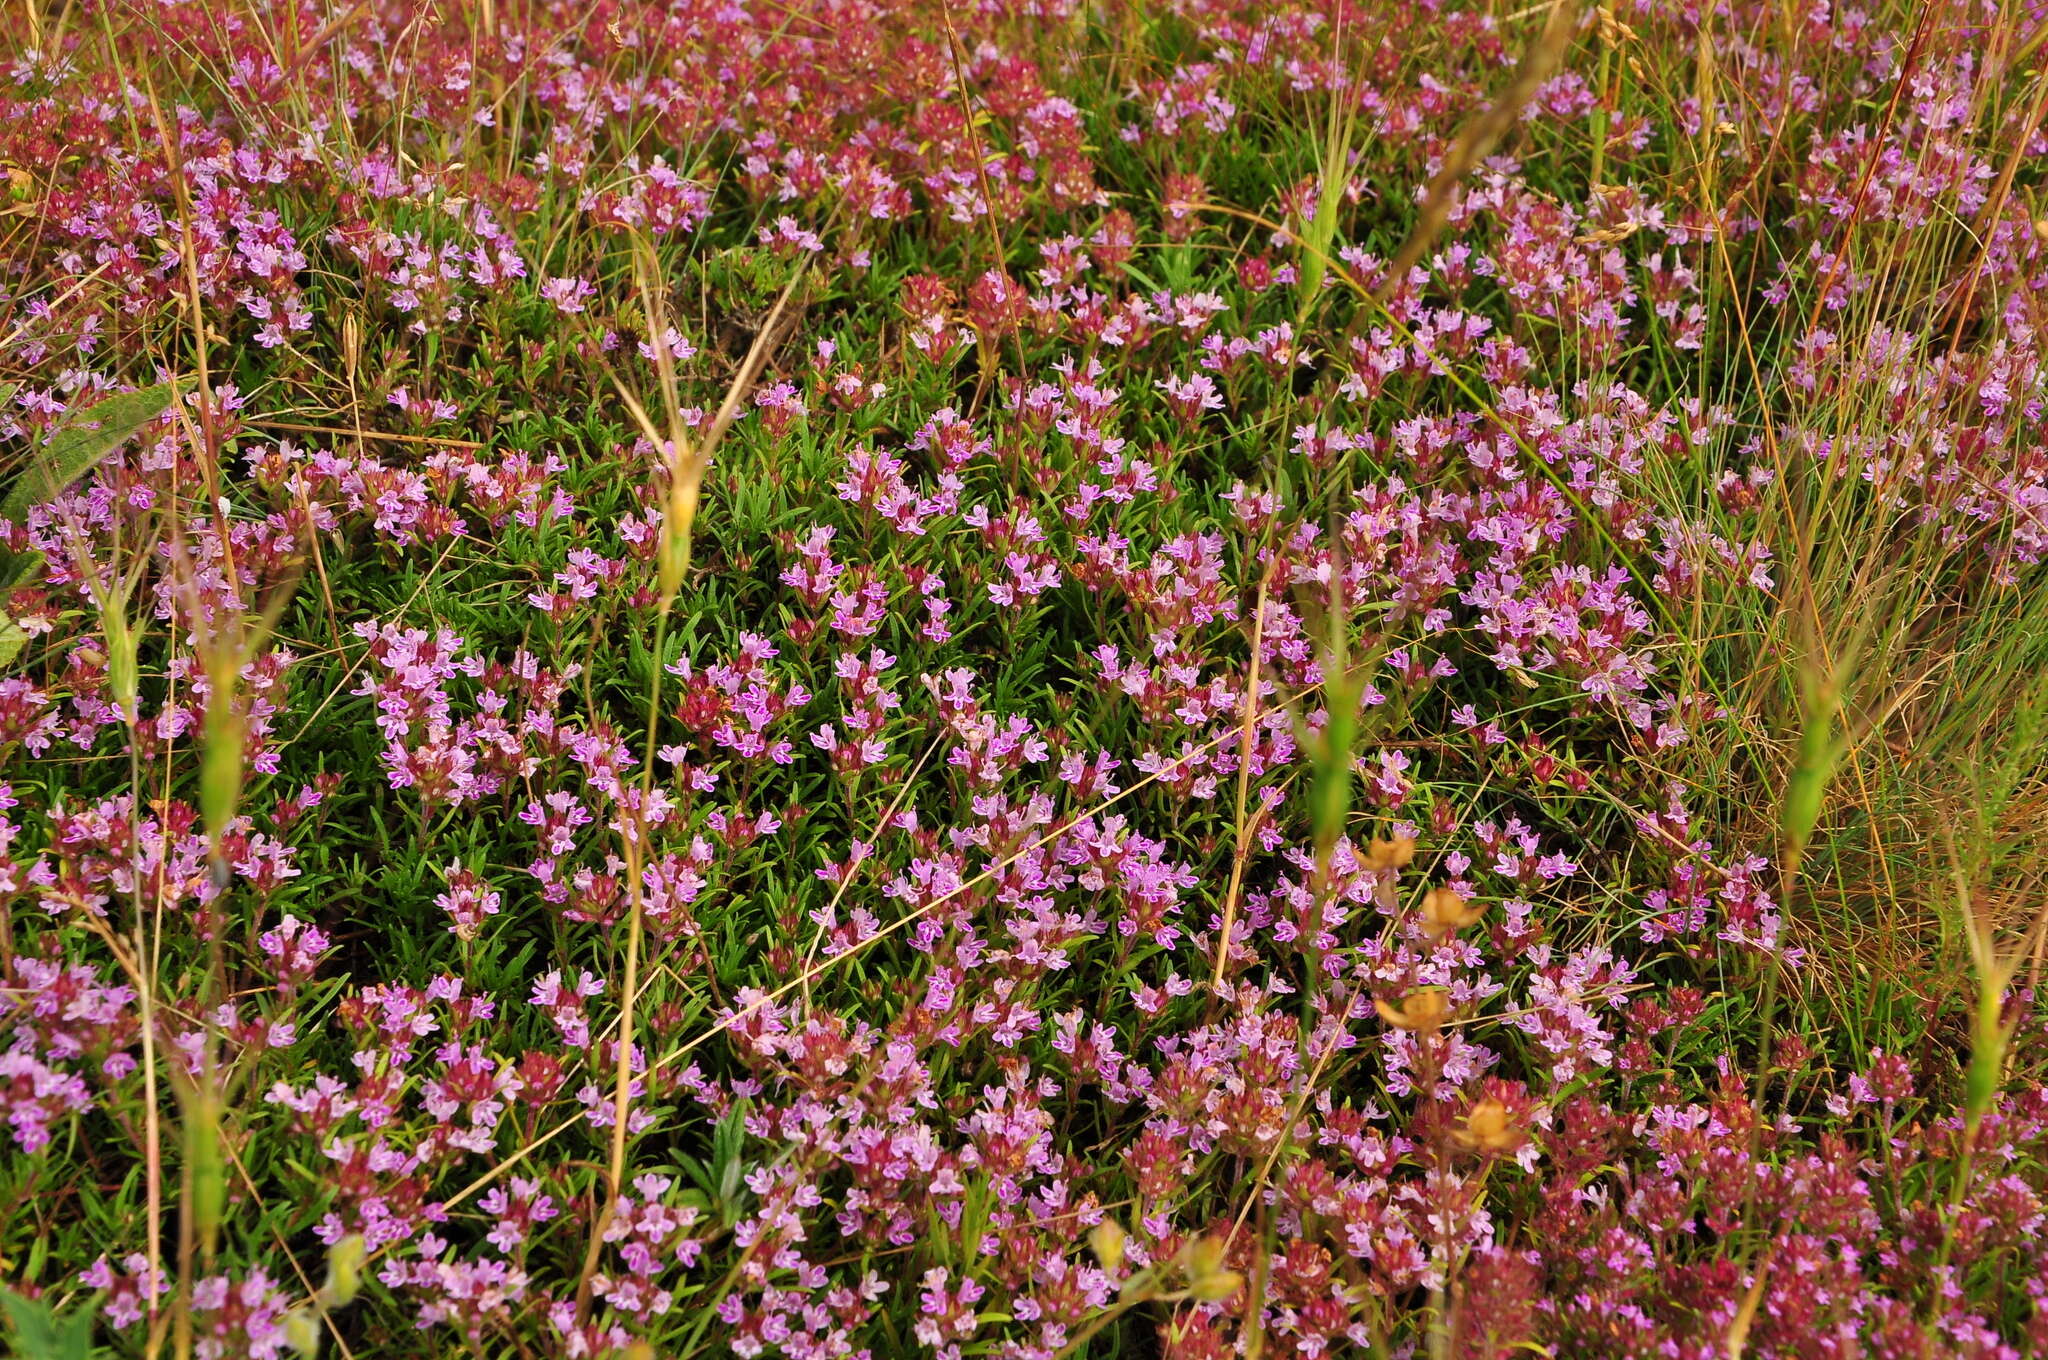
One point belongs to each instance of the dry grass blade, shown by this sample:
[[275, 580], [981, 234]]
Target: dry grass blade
[[689, 459], [1541, 60], [1240, 828], [675, 889], [811, 973]]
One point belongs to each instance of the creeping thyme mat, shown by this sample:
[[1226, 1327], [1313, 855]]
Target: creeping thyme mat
[[1015, 678]]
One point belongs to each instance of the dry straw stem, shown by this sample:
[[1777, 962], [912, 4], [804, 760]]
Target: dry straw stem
[[881, 825], [1246, 733], [1540, 61], [804, 978], [689, 459]]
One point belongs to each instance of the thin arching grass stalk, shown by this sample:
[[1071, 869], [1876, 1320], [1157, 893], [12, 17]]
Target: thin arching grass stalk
[[1540, 60], [688, 459], [1319, 233], [503, 1167], [1241, 848], [1988, 862]]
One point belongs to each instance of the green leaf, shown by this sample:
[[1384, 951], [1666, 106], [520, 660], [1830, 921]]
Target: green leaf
[[74, 1333], [13, 637], [17, 568], [40, 1334], [86, 437], [35, 1328]]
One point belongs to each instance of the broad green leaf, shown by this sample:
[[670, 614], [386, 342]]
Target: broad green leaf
[[74, 1333], [35, 1327], [17, 567], [86, 437], [13, 637], [41, 1334]]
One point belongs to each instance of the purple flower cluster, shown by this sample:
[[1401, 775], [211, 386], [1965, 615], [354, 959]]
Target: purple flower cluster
[[1174, 802]]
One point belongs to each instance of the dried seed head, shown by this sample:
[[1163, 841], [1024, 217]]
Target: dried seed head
[[1209, 1280], [1419, 1010], [1202, 1255], [351, 343], [1216, 1286], [1444, 911], [301, 1332], [344, 1270], [1396, 853], [1107, 1240], [1487, 1128]]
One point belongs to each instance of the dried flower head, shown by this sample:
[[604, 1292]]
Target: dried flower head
[[1107, 1240], [1423, 1009], [1445, 911], [1397, 852], [1209, 1280], [1488, 1127]]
